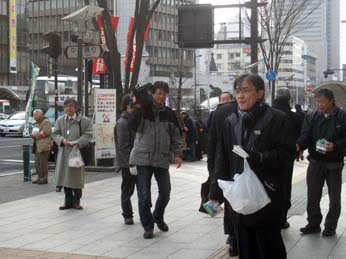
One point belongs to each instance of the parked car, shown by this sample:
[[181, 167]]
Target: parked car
[[3, 116], [13, 125]]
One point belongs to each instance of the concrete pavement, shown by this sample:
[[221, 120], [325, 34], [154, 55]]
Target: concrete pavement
[[35, 228]]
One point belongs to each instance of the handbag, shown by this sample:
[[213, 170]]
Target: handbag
[[86, 151]]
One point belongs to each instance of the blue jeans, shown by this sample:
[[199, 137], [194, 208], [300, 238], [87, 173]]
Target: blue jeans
[[144, 175]]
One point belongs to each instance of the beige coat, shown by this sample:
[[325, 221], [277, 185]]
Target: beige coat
[[43, 142], [66, 176]]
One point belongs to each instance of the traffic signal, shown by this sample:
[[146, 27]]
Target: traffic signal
[[328, 72], [53, 49]]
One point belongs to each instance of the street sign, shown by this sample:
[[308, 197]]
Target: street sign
[[271, 75], [89, 51]]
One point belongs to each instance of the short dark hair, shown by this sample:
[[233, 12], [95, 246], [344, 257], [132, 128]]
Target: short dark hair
[[125, 101], [160, 85], [254, 79], [226, 92], [69, 101], [325, 92]]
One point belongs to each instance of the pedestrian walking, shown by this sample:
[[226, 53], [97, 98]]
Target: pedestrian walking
[[42, 135], [157, 135], [264, 134], [191, 136], [124, 137], [282, 103], [71, 129], [324, 135]]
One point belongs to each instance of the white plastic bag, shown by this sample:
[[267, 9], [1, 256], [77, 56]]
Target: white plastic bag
[[246, 194], [75, 159]]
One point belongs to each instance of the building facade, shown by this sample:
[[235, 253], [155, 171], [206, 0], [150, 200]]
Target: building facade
[[14, 59]]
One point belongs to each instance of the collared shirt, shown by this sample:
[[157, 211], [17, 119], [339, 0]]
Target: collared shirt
[[71, 118]]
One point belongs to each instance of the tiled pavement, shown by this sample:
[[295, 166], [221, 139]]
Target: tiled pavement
[[35, 228]]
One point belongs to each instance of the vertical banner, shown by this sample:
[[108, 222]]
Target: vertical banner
[[32, 89], [133, 61], [105, 119], [99, 66], [13, 36]]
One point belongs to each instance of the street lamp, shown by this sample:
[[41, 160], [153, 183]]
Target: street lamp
[[195, 72]]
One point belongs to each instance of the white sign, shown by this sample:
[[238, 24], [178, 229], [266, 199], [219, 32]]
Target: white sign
[[105, 119], [89, 51]]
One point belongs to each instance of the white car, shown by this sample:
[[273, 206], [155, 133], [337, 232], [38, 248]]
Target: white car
[[13, 125]]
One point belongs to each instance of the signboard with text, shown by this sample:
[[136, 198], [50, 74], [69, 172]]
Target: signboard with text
[[13, 36], [105, 119]]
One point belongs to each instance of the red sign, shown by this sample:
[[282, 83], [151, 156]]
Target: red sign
[[133, 61], [99, 66], [309, 88]]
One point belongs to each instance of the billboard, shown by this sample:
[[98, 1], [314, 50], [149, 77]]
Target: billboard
[[13, 36]]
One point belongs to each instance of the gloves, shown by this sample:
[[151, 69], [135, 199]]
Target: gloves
[[254, 157]]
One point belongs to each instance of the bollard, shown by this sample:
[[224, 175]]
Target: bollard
[[26, 163]]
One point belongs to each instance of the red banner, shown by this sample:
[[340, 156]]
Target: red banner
[[133, 62], [99, 66]]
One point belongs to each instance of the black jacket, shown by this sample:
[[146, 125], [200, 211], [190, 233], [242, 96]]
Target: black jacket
[[270, 146], [124, 138], [192, 132], [295, 119], [333, 128]]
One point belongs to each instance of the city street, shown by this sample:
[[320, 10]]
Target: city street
[[11, 154]]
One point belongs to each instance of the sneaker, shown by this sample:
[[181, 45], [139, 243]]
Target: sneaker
[[148, 234], [128, 221], [310, 230], [328, 232], [162, 226]]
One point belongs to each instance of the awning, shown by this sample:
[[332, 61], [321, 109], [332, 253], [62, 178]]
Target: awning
[[13, 92]]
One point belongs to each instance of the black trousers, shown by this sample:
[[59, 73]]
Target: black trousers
[[72, 196], [127, 188], [260, 242], [287, 190], [318, 173]]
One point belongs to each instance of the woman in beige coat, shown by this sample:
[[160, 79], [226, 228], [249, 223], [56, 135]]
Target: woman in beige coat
[[75, 128]]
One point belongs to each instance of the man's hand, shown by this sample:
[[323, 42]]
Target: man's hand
[[66, 143], [329, 147], [178, 161]]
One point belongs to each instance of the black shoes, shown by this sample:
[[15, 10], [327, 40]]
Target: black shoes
[[310, 230], [285, 225], [66, 207], [148, 234], [162, 226], [328, 232], [128, 221], [233, 249]]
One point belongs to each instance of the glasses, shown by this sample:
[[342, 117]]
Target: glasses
[[244, 90]]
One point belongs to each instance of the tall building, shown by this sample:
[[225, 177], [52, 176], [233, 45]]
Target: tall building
[[14, 60], [321, 31]]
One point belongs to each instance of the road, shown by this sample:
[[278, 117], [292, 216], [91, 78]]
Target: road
[[11, 154]]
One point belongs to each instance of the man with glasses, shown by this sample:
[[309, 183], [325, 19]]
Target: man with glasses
[[157, 135]]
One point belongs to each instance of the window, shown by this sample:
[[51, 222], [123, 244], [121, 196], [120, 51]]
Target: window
[[218, 56]]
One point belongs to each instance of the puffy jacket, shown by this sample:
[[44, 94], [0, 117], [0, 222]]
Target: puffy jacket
[[157, 135], [332, 128]]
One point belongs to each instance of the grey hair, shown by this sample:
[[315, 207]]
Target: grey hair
[[37, 110]]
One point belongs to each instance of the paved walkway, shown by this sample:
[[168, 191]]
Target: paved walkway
[[35, 228]]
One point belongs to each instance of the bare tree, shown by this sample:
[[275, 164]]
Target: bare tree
[[280, 19], [142, 16]]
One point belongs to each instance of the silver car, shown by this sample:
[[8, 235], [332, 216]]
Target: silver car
[[14, 125]]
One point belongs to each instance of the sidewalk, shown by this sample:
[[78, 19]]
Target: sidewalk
[[35, 228]]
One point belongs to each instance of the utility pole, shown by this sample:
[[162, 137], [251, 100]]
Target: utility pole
[[80, 74], [254, 35]]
